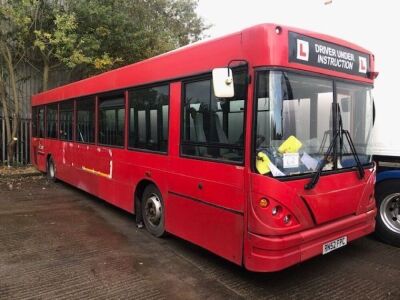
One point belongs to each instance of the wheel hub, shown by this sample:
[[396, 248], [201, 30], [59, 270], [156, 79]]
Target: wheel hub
[[51, 170], [153, 210], [390, 212]]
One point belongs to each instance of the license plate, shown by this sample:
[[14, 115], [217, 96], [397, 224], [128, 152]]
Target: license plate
[[333, 245]]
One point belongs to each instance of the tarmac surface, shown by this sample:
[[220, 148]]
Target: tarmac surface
[[57, 242]]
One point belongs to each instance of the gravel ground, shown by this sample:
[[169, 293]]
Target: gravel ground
[[10, 172], [59, 242]]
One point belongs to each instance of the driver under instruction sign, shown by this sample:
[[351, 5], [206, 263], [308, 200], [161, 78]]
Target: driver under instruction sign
[[314, 52]]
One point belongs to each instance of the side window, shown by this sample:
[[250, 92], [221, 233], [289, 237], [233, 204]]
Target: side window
[[85, 117], [35, 111], [148, 118], [112, 120], [66, 120], [51, 121], [41, 122], [213, 127]]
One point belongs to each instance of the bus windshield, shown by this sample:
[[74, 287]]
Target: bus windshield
[[295, 123]]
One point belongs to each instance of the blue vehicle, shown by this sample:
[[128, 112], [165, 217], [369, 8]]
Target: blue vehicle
[[386, 150], [387, 194]]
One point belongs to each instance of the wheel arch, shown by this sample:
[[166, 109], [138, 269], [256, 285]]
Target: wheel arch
[[48, 156]]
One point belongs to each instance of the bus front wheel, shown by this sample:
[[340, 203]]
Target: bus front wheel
[[388, 217], [153, 211]]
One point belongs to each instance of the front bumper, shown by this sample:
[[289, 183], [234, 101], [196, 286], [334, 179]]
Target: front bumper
[[274, 253]]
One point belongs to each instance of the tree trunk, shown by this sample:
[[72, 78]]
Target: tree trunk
[[10, 141], [12, 129], [3, 98], [10, 151], [46, 70]]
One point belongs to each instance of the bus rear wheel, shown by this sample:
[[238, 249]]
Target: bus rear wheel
[[51, 169], [153, 211], [388, 217]]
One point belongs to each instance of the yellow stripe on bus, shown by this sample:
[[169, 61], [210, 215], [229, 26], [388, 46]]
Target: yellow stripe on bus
[[95, 172]]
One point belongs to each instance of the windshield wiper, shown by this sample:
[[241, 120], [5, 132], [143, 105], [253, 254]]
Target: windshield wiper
[[346, 133], [360, 168], [340, 132], [314, 180]]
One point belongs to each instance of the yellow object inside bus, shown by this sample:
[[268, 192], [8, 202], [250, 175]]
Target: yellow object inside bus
[[262, 163], [291, 145]]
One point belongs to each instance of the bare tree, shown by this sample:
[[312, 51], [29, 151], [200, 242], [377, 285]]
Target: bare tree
[[11, 109], [14, 27]]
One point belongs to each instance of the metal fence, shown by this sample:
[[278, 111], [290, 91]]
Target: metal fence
[[29, 83], [22, 146]]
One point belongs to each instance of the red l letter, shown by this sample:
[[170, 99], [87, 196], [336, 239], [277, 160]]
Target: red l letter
[[302, 53], [362, 65]]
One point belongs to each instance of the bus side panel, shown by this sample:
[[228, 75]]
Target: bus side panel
[[86, 167], [62, 153], [215, 229], [108, 173], [104, 173], [205, 205]]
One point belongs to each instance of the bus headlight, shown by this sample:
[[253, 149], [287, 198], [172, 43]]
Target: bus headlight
[[276, 210], [286, 219]]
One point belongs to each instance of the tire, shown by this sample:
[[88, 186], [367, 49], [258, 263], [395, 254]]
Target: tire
[[387, 196], [153, 211], [51, 170]]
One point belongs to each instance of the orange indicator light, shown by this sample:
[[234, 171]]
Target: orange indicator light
[[264, 203]]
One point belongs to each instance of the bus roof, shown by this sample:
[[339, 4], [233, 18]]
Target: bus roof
[[260, 45]]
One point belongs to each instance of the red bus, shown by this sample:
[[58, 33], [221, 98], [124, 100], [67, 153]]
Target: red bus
[[253, 146]]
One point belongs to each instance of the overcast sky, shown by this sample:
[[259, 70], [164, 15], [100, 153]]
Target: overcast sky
[[372, 24]]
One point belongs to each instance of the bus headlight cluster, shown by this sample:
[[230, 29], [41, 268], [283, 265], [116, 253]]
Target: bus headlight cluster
[[281, 215]]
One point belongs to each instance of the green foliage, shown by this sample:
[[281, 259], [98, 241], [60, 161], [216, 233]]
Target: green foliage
[[92, 36], [15, 21], [85, 37], [60, 43], [119, 32]]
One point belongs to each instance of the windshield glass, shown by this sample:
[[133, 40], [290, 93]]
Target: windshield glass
[[294, 123], [356, 106]]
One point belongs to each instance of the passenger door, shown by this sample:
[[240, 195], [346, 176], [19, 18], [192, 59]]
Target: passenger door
[[66, 115], [38, 134], [205, 202]]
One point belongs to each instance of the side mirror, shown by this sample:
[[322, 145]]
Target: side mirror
[[373, 112], [223, 83]]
